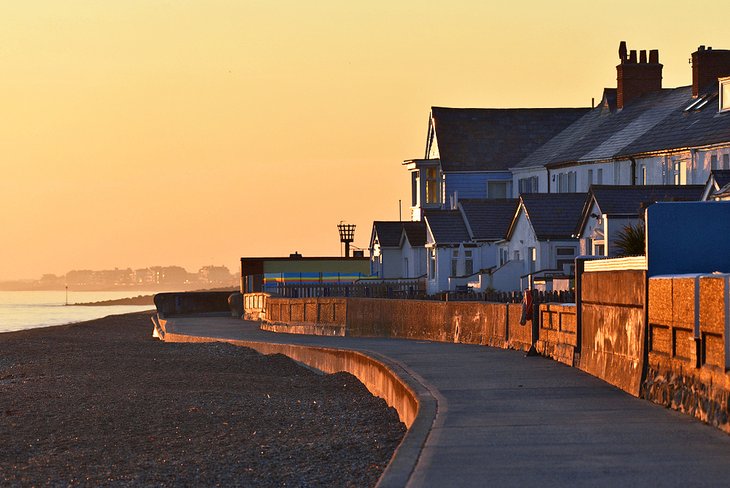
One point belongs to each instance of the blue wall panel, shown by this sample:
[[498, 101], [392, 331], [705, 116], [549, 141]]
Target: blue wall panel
[[688, 237], [473, 185]]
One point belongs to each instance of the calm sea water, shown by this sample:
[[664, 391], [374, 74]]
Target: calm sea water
[[30, 309]]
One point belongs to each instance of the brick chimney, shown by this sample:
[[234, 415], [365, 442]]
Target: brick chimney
[[707, 66], [636, 77]]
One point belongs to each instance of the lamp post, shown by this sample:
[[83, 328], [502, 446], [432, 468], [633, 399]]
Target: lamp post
[[347, 235]]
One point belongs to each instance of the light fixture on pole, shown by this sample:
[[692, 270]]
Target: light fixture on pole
[[347, 235]]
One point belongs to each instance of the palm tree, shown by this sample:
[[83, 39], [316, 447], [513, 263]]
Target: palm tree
[[631, 240]]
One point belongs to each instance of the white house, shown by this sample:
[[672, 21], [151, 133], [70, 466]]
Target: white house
[[610, 208], [640, 133], [541, 233], [413, 248], [386, 256]]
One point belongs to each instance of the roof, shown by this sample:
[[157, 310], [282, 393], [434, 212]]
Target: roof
[[387, 232], [656, 121], [415, 232], [552, 215], [478, 139], [446, 226], [721, 176], [631, 200], [488, 219]]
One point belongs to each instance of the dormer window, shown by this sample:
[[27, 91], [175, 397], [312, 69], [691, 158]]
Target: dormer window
[[724, 94]]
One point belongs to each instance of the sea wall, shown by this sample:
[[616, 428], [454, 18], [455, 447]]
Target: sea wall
[[687, 348]]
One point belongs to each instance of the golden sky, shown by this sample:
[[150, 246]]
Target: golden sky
[[194, 132]]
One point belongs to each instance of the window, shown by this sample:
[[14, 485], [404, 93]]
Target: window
[[571, 182], [565, 251], [726, 161], [616, 173], [454, 262], [516, 255], [503, 256], [600, 176], [590, 178], [680, 173], [528, 185], [497, 189], [724, 94], [532, 256], [432, 264], [713, 161], [414, 189], [468, 263], [432, 186], [599, 250], [642, 174]]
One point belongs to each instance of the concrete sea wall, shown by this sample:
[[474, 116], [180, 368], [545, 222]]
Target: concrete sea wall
[[665, 339]]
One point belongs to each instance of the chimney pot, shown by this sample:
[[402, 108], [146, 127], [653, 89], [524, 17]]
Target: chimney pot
[[707, 66], [622, 51], [636, 79]]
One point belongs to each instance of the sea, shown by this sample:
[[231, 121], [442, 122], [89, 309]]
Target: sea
[[21, 310]]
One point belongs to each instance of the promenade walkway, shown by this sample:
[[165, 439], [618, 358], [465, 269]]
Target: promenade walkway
[[504, 419]]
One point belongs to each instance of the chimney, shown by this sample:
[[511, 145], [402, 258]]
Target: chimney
[[707, 66], [636, 77]]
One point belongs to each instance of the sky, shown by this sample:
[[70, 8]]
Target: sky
[[193, 132]]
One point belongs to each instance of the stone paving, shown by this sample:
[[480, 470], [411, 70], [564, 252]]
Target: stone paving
[[504, 419]]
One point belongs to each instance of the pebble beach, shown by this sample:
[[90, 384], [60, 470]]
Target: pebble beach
[[103, 403]]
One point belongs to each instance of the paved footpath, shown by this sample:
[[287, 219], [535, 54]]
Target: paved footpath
[[508, 420]]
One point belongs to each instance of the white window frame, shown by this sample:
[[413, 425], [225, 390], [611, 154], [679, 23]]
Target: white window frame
[[724, 89]]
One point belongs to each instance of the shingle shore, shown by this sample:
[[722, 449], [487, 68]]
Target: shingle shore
[[104, 403]]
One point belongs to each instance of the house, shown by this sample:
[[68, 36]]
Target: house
[[449, 250], [641, 133], [718, 183], [386, 257], [397, 249], [610, 208], [413, 248], [540, 235], [469, 152]]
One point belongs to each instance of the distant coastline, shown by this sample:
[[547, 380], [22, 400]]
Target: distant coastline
[[140, 299]]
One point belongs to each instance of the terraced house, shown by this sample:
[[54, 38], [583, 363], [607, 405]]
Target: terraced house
[[639, 134]]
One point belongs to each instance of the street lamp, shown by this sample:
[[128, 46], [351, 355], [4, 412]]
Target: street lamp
[[347, 235]]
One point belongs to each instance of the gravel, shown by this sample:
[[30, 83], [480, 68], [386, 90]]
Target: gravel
[[102, 403]]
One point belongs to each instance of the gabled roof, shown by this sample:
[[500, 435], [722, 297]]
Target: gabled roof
[[631, 200], [446, 226], [488, 219], [479, 139], [718, 179], [415, 232], [656, 121], [387, 232], [552, 215]]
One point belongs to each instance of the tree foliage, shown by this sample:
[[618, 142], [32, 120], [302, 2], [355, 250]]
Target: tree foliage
[[631, 240]]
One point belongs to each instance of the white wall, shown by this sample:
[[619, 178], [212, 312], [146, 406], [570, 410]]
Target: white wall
[[416, 260]]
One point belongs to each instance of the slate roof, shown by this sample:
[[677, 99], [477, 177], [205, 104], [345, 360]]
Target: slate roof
[[653, 122], [489, 219], [447, 226], [721, 176], [476, 139], [552, 215], [415, 233], [631, 200], [388, 232]]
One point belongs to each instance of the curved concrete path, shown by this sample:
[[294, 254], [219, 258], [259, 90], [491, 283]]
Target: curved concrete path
[[504, 419]]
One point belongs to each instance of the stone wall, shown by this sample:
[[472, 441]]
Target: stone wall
[[613, 309], [558, 335], [319, 316], [493, 324], [688, 333]]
